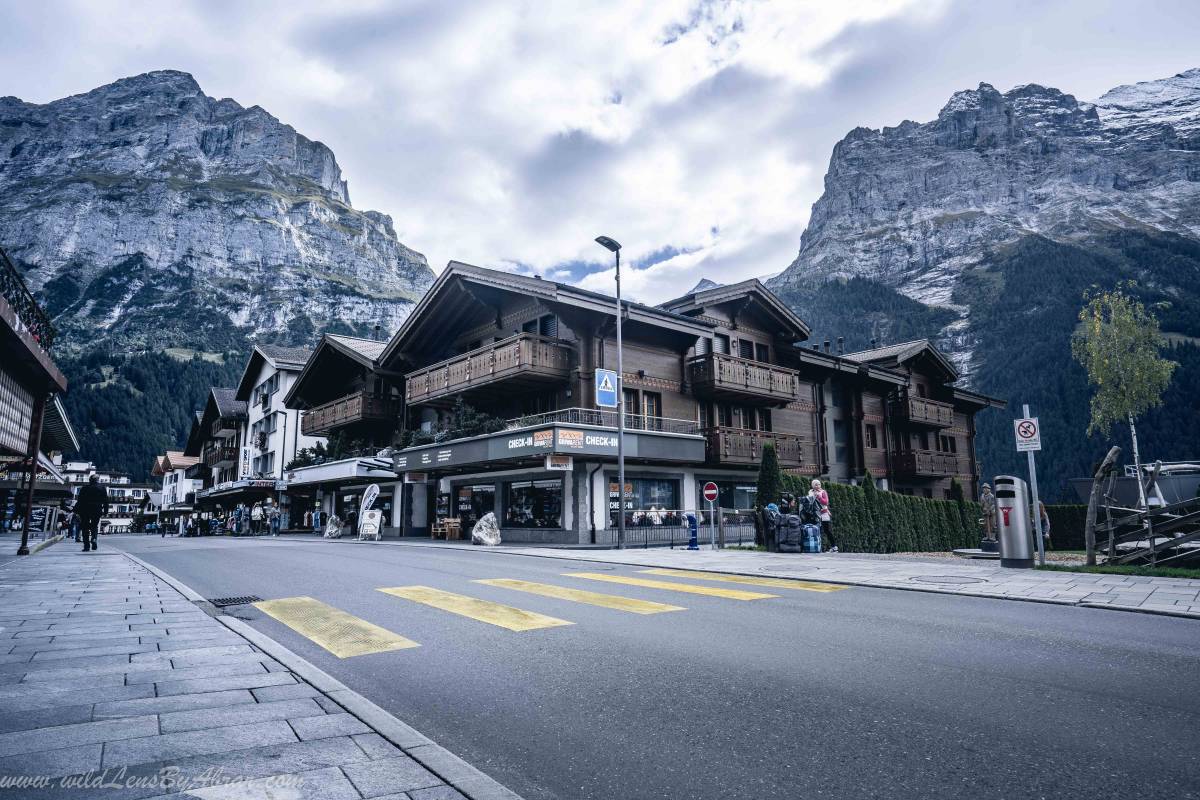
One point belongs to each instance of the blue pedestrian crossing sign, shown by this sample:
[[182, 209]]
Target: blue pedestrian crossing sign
[[606, 388]]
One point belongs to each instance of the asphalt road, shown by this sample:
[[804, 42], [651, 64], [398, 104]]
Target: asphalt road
[[856, 693]]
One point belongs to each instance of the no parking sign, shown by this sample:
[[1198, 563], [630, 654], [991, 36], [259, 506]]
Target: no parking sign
[[1029, 434]]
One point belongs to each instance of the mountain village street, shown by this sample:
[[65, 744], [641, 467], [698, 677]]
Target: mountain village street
[[580, 674]]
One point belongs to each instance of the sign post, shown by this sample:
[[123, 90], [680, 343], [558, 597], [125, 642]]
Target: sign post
[[1029, 441], [606, 388], [710, 493]]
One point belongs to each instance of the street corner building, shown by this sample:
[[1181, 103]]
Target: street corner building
[[485, 400], [34, 428]]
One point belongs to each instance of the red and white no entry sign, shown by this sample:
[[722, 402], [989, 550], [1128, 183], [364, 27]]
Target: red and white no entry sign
[[711, 492]]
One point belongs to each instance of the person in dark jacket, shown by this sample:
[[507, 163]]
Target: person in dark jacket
[[91, 505]]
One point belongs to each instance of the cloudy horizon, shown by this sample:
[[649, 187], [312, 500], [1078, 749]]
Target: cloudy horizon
[[510, 135]]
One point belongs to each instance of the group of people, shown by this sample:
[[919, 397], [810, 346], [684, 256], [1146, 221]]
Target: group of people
[[776, 523]]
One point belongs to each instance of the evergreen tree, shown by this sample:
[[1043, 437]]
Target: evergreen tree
[[769, 483]]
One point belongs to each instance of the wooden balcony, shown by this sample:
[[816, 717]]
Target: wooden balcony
[[739, 446], [519, 361], [719, 375], [226, 426], [923, 411], [928, 464], [220, 456], [353, 408]]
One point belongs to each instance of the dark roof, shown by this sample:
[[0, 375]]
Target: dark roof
[[57, 433], [364, 351], [709, 295], [289, 358], [370, 349], [551, 291], [902, 352], [227, 403]]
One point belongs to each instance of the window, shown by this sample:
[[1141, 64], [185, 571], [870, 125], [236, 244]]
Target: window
[[533, 504], [725, 415], [746, 349], [920, 390], [928, 493], [548, 326], [839, 441], [764, 419], [730, 494], [762, 353], [703, 346], [530, 327], [644, 497], [923, 438], [472, 502], [721, 344], [652, 404], [630, 398], [872, 437]]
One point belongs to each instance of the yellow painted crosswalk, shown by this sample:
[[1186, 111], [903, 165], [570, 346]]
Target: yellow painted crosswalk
[[514, 619], [690, 588], [749, 580], [613, 601], [340, 633], [346, 635]]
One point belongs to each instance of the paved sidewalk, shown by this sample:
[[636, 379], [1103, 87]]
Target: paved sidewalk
[[113, 684], [1173, 596]]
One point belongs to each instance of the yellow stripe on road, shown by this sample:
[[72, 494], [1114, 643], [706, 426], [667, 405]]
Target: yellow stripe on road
[[690, 588], [515, 619], [340, 633], [582, 596], [751, 580]]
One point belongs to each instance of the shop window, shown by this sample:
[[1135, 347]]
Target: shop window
[[746, 349], [472, 502], [762, 353], [730, 494], [648, 501], [533, 504], [872, 437]]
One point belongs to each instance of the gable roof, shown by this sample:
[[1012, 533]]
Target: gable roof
[[903, 353], [175, 459], [368, 349], [549, 291], [364, 351], [710, 295], [226, 403], [281, 358]]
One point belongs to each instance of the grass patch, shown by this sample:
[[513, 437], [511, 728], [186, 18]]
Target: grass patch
[[1128, 569]]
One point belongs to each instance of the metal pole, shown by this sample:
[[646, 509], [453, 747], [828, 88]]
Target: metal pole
[[1037, 505], [35, 444], [620, 419], [712, 526]]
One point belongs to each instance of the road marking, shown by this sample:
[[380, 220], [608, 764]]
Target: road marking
[[515, 619], [583, 596], [340, 633], [690, 588], [751, 580]]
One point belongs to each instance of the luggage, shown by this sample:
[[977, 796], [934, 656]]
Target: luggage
[[790, 534], [812, 538]]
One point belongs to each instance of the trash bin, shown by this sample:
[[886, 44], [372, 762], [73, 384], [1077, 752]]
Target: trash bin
[[1012, 522]]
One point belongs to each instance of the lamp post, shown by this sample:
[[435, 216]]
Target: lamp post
[[615, 248]]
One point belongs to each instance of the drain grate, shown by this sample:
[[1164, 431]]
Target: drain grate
[[947, 579], [225, 602]]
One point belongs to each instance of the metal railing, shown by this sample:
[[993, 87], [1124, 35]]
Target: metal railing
[[605, 419], [669, 528], [30, 314]]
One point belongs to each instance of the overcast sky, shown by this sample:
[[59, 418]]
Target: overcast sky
[[511, 134]]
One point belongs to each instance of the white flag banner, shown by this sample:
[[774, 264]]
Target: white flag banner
[[369, 496]]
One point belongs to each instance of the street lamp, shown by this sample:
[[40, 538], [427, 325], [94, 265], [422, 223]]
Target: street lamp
[[614, 247]]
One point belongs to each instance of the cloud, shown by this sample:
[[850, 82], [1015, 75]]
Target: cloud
[[511, 134]]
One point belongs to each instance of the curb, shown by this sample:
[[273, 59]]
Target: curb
[[466, 779]]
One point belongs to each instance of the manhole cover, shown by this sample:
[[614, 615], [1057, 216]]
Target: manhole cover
[[786, 567], [947, 579], [225, 602]]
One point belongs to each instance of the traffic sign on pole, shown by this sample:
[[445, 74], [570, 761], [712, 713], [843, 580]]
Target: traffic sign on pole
[[1029, 440], [1028, 433], [606, 388], [710, 493]]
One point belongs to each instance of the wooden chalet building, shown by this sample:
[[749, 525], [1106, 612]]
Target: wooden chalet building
[[710, 378]]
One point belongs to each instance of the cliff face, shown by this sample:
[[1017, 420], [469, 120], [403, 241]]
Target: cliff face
[[147, 214], [916, 206], [983, 228]]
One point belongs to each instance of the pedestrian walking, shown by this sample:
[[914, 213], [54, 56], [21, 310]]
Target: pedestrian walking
[[91, 505], [275, 521], [988, 501], [256, 519], [818, 493]]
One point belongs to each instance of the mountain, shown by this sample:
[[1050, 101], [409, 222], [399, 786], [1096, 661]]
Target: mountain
[[983, 228], [150, 218]]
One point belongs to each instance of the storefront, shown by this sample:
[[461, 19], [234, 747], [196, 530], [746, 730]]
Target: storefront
[[336, 488]]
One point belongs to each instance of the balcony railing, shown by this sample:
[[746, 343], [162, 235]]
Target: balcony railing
[[353, 408], [605, 419], [30, 314], [741, 446], [524, 358], [724, 376], [923, 411], [225, 426], [219, 456], [929, 464]]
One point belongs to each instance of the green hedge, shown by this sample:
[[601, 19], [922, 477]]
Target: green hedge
[[866, 520]]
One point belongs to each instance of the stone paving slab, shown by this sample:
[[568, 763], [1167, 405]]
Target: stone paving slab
[[1170, 596], [109, 672]]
